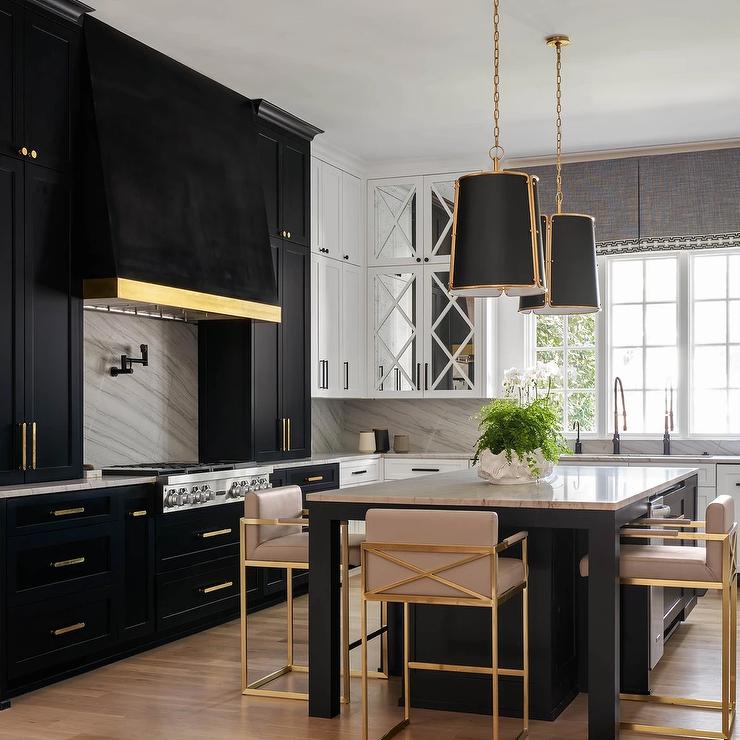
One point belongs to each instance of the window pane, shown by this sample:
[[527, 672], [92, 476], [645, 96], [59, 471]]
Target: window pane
[[633, 402], [626, 328], [582, 408], [661, 367], [660, 279], [734, 328], [733, 411], [557, 358], [557, 401], [626, 281], [655, 411], [660, 323], [710, 322], [710, 415], [734, 379], [582, 330], [582, 368], [734, 276], [710, 276], [549, 331], [627, 364], [710, 370]]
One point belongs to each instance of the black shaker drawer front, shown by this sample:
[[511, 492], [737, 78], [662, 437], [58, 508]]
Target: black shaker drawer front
[[190, 537], [192, 594], [312, 478], [62, 631], [51, 563], [58, 511]]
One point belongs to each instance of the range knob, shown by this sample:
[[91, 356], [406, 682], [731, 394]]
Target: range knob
[[263, 483], [187, 498], [196, 495], [208, 494], [171, 499], [234, 490]]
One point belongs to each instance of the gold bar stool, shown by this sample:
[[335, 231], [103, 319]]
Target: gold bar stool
[[713, 568], [457, 564], [273, 535]]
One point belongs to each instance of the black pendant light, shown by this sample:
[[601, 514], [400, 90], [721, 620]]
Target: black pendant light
[[570, 243], [497, 244]]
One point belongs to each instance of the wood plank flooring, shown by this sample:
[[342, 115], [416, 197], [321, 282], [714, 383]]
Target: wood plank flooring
[[189, 690]]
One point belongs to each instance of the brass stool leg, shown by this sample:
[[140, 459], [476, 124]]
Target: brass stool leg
[[726, 652], [363, 652], [525, 644], [406, 671], [289, 605], [494, 669], [243, 610]]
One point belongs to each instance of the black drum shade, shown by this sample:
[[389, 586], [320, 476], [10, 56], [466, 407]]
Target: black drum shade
[[571, 272], [497, 243]]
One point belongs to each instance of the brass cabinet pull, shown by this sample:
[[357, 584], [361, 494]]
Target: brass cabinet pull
[[33, 446], [65, 563], [67, 512], [34, 154], [314, 478], [23, 151], [24, 445], [71, 628], [288, 235], [214, 533], [217, 587], [288, 434], [283, 443], [138, 512]]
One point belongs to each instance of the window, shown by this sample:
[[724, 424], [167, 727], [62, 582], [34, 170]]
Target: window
[[715, 343], [570, 342], [643, 337]]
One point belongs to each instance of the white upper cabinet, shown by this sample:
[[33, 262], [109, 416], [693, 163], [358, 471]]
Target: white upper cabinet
[[352, 242], [352, 332], [394, 226], [336, 218], [439, 205]]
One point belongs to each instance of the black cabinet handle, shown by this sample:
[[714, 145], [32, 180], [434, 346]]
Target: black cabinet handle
[[426, 259], [359, 472], [426, 376], [418, 376], [346, 376], [346, 256], [380, 375], [425, 470], [398, 379], [418, 259]]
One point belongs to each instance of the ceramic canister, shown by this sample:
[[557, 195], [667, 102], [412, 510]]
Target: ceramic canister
[[367, 442], [401, 443]]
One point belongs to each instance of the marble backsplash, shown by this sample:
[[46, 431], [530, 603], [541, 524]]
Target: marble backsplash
[[151, 415], [439, 425]]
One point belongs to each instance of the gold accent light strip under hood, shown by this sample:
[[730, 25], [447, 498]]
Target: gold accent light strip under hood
[[122, 292]]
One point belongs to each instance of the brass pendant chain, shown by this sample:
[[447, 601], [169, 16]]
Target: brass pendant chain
[[496, 152], [559, 127]]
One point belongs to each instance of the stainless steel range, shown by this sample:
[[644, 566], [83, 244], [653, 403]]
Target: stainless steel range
[[184, 486]]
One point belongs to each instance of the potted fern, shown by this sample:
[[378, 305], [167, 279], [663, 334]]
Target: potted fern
[[520, 437]]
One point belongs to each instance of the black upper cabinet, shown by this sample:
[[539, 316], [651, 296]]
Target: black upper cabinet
[[268, 147], [53, 319], [39, 71], [11, 319]]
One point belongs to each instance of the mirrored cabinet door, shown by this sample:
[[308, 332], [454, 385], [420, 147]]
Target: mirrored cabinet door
[[439, 205], [394, 221], [396, 316], [451, 338]]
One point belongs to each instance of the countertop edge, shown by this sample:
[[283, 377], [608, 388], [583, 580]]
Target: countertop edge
[[75, 485]]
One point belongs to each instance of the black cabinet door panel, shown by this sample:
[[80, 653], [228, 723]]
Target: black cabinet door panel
[[11, 318], [268, 147], [11, 68], [53, 322], [296, 349], [294, 188], [56, 511], [50, 89]]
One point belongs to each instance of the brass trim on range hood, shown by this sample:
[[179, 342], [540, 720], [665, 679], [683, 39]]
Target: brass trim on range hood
[[112, 291]]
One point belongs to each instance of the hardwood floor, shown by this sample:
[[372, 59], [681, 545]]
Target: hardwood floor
[[190, 689]]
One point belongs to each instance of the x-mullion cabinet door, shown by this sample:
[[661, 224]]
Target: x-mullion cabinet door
[[439, 205], [394, 339], [394, 221], [452, 333]]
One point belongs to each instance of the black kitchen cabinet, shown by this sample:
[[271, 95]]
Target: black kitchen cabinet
[[137, 581], [39, 77], [284, 150], [41, 347]]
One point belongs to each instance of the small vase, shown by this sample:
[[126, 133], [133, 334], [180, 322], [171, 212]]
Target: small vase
[[497, 469]]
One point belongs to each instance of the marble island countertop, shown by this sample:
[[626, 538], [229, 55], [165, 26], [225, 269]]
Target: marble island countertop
[[570, 487], [587, 457]]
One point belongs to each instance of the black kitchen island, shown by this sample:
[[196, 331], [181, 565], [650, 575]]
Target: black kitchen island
[[596, 501]]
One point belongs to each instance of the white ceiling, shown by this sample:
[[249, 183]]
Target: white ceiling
[[406, 79]]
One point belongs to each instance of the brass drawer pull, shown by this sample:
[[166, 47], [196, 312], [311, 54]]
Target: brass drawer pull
[[217, 587], [65, 563], [314, 479], [33, 444], [214, 533], [24, 445], [67, 512], [71, 628], [138, 512]]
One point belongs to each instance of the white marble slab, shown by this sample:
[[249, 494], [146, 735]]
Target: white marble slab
[[77, 485], [667, 459], [593, 488]]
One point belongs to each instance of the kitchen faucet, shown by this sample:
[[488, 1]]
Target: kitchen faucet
[[668, 426], [615, 439]]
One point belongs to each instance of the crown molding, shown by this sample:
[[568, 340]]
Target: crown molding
[[70, 10], [271, 113]]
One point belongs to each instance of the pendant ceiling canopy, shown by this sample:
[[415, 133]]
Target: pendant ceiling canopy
[[497, 242], [570, 243]]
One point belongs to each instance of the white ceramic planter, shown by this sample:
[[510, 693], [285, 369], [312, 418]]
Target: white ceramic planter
[[497, 468]]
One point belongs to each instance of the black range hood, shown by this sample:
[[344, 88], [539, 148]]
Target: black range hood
[[173, 214]]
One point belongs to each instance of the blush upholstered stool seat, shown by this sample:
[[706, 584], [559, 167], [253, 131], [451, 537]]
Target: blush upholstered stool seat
[[443, 557], [273, 534], [710, 567]]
